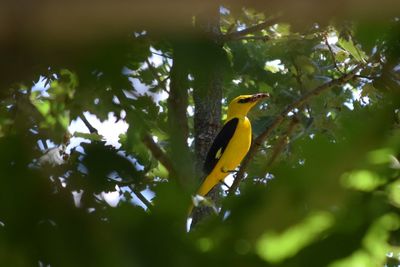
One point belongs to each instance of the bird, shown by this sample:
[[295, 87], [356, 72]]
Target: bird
[[231, 144]]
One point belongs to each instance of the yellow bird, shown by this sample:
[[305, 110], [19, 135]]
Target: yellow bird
[[232, 142]]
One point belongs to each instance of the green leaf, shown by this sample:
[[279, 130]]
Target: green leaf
[[90, 136], [362, 180], [305, 63], [274, 247], [43, 106], [63, 120], [368, 89], [264, 87], [355, 51], [370, 33]]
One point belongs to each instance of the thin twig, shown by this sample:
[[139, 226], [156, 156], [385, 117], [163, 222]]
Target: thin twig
[[332, 55], [142, 198], [130, 184], [282, 142], [161, 55], [367, 77], [279, 119], [88, 125], [121, 183], [297, 76], [263, 38], [231, 27], [255, 28], [44, 144], [158, 153]]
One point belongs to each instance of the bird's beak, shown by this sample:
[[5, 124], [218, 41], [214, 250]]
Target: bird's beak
[[257, 97]]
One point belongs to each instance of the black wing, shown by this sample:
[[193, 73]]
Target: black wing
[[219, 145]]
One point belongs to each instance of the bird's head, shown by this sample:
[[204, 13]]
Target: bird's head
[[242, 104]]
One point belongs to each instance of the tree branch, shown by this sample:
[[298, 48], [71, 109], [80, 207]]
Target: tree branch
[[142, 198], [88, 125], [279, 119], [255, 28], [130, 184], [283, 141], [161, 55], [177, 121], [158, 153], [252, 38], [44, 144]]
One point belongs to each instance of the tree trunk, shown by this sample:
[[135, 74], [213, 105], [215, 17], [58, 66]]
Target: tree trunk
[[178, 122], [208, 74]]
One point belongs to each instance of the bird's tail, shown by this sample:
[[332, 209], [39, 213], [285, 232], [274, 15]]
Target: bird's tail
[[209, 182], [190, 208]]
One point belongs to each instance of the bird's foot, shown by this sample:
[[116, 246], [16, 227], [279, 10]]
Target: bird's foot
[[224, 170]]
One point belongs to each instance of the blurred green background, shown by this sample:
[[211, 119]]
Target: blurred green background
[[322, 189]]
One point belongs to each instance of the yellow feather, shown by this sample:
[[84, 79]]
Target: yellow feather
[[237, 147]]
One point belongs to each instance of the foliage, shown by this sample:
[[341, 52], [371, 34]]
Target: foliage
[[324, 193]]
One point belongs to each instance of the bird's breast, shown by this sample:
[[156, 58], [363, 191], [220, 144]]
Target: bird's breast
[[239, 145], [243, 135]]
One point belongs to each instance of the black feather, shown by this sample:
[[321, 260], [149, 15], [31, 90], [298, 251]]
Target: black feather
[[244, 100], [220, 142]]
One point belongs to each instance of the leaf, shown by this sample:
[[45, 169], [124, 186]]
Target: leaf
[[283, 29], [362, 180], [273, 66], [355, 51], [341, 56], [63, 120], [370, 33], [264, 87], [274, 247], [368, 89], [90, 136], [305, 64], [43, 106]]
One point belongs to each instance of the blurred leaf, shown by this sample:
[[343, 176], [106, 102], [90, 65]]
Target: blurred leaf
[[380, 156], [363, 180], [42, 106], [394, 193], [90, 136], [330, 198], [370, 33], [305, 64], [274, 247]]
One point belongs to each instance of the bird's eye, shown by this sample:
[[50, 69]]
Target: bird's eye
[[244, 100]]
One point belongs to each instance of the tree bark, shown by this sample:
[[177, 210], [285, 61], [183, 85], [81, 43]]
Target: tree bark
[[178, 122], [207, 94]]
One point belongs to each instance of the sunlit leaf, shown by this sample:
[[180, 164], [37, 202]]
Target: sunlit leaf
[[394, 193], [363, 180], [380, 156], [275, 247], [43, 106], [350, 47]]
